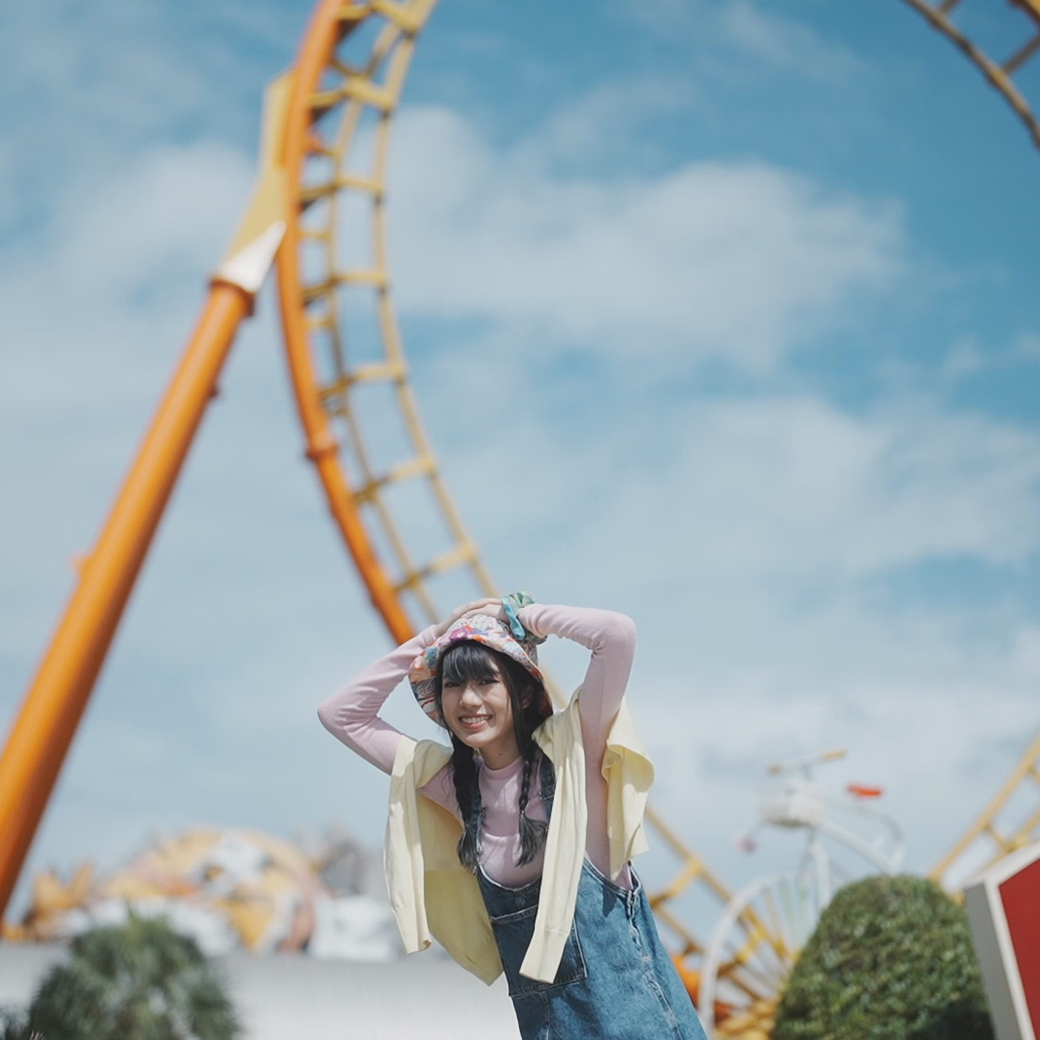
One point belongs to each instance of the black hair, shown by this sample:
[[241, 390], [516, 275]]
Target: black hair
[[470, 661]]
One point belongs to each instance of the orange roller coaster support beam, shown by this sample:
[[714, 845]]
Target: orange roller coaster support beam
[[58, 695]]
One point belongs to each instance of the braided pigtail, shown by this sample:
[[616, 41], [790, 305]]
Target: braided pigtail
[[532, 832], [467, 794], [527, 700]]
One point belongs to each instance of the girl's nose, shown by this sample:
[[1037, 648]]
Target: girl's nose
[[469, 695]]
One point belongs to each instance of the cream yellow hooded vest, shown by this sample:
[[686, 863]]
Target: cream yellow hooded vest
[[433, 895]]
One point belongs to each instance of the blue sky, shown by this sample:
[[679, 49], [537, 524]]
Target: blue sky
[[747, 290]]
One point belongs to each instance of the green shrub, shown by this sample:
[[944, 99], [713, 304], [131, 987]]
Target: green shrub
[[140, 981], [891, 959]]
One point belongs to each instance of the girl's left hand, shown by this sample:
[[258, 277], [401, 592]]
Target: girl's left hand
[[488, 605]]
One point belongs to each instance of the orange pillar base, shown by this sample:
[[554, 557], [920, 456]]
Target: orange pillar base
[[54, 702]]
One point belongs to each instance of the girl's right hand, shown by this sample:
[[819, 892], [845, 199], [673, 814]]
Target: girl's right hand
[[488, 605]]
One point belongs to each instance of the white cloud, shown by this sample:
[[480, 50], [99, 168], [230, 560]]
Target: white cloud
[[1026, 347], [166, 214], [88, 88], [963, 360], [936, 754], [777, 506], [603, 125], [740, 38], [741, 261], [96, 310], [785, 44]]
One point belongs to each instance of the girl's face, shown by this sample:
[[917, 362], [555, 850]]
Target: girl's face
[[480, 713]]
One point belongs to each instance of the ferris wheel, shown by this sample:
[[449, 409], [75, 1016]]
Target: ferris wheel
[[764, 926], [324, 168]]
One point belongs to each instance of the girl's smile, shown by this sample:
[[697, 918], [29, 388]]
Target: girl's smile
[[474, 721], [480, 713]]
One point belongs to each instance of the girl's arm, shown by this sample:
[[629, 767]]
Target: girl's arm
[[352, 714], [612, 639]]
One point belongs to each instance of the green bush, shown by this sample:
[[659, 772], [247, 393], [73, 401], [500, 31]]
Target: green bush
[[891, 959], [140, 981]]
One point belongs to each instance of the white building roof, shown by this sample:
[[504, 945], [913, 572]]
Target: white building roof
[[288, 995]]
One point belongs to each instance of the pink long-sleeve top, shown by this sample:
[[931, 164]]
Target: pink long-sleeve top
[[352, 716]]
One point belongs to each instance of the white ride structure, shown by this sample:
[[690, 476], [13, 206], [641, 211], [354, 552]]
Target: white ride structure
[[765, 925]]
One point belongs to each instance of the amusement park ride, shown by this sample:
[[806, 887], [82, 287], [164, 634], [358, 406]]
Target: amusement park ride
[[324, 153], [789, 905]]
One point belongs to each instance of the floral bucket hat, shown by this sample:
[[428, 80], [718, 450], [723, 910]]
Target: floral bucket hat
[[509, 638]]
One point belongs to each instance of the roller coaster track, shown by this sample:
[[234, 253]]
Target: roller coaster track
[[1000, 73], [1012, 818], [320, 203], [1009, 821], [345, 107]]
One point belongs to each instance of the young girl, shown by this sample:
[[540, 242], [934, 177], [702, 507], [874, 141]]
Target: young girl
[[512, 849]]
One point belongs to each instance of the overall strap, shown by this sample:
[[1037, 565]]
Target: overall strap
[[547, 778]]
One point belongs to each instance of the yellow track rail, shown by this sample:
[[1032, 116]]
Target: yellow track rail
[[340, 106], [993, 835], [999, 72]]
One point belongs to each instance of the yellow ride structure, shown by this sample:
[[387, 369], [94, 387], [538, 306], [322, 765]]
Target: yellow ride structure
[[324, 162], [1002, 826]]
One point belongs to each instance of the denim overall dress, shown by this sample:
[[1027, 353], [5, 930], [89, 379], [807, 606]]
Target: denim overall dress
[[615, 980]]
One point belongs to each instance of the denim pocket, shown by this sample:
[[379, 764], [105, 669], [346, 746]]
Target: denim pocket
[[513, 934]]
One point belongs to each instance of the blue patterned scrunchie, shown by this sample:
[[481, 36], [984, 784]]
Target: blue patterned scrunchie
[[511, 604]]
